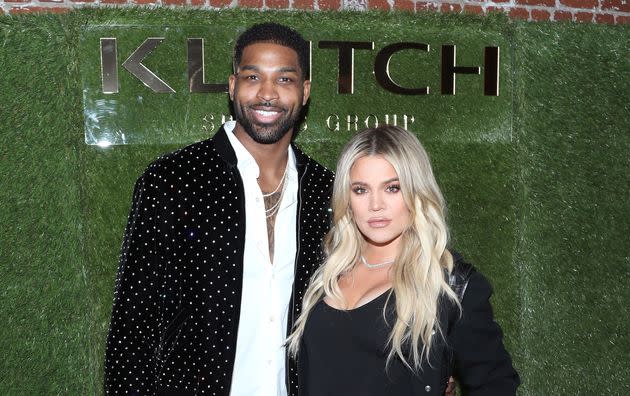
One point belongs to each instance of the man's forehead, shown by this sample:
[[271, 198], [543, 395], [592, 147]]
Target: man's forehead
[[268, 49], [276, 56]]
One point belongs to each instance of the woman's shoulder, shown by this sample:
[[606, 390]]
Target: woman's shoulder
[[483, 364], [461, 274], [465, 279]]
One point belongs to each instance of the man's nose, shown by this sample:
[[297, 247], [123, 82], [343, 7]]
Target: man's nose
[[267, 91]]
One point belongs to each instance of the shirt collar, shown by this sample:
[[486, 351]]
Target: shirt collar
[[246, 162]]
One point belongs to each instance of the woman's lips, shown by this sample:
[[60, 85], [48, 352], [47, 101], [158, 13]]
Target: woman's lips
[[379, 223]]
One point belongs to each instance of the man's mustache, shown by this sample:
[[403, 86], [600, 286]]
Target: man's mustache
[[267, 104]]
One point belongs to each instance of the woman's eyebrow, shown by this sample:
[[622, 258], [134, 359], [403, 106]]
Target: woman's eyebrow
[[393, 179], [361, 183]]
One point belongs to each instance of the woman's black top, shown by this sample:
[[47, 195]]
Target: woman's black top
[[347, 352], [344, 352]]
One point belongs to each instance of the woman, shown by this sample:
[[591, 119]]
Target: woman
[[392, 311]]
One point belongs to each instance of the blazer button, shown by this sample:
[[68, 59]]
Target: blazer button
[[427, 388]]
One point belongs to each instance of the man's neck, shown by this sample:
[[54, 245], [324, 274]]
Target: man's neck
[[270, 158]]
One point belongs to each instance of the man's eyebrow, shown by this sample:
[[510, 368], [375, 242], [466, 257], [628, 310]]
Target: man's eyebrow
[[288, 69], [284, 69], [248, 67]]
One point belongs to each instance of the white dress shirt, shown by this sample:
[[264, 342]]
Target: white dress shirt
[[259, 367]]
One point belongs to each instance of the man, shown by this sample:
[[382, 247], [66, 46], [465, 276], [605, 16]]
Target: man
[[222, 238]]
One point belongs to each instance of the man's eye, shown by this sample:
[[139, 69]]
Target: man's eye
[[285, 80], [250, 77]]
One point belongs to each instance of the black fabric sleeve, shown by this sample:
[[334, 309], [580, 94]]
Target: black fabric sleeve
[[133, 340], [302, 367], [482, 364]]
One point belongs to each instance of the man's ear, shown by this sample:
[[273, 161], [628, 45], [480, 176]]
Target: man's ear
[[231, 83], [307, 91]]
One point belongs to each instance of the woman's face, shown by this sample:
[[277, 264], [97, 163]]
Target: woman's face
[[377, 203]]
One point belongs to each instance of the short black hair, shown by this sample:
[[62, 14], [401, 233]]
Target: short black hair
[[274, 33]]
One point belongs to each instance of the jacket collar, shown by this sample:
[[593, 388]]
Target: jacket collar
[[224, 148]]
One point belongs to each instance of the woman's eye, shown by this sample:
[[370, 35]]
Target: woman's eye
[[359, 190], [393, 188]]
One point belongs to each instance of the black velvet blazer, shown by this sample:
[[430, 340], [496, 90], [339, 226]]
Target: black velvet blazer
[[178, 289]]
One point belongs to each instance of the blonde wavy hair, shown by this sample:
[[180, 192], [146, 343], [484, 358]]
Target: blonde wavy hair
[[418, 278]]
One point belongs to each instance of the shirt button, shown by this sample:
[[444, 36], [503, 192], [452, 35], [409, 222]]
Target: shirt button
[[427, 388], [271, 319]]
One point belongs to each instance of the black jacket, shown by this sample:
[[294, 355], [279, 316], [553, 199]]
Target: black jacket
[[178, 289], [348, 346], [475, 353]]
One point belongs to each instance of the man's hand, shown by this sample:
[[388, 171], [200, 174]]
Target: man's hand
[[450, 387]]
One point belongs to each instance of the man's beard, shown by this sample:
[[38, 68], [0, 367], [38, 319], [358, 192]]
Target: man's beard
[[266, 133]]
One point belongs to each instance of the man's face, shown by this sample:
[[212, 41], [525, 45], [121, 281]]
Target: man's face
[[268, 91]]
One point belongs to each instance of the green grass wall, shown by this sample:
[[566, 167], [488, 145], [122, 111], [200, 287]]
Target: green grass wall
[[544, 213], [574, 250]]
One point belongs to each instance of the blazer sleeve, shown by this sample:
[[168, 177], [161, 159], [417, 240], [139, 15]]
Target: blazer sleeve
[[482, 364], [132, 342]]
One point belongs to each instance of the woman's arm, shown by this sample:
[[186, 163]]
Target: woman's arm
[[482, 364]]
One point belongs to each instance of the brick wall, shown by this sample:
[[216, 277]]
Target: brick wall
[[594, 11]]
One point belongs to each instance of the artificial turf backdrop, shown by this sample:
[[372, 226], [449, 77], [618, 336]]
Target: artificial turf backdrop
[[537, 192]]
